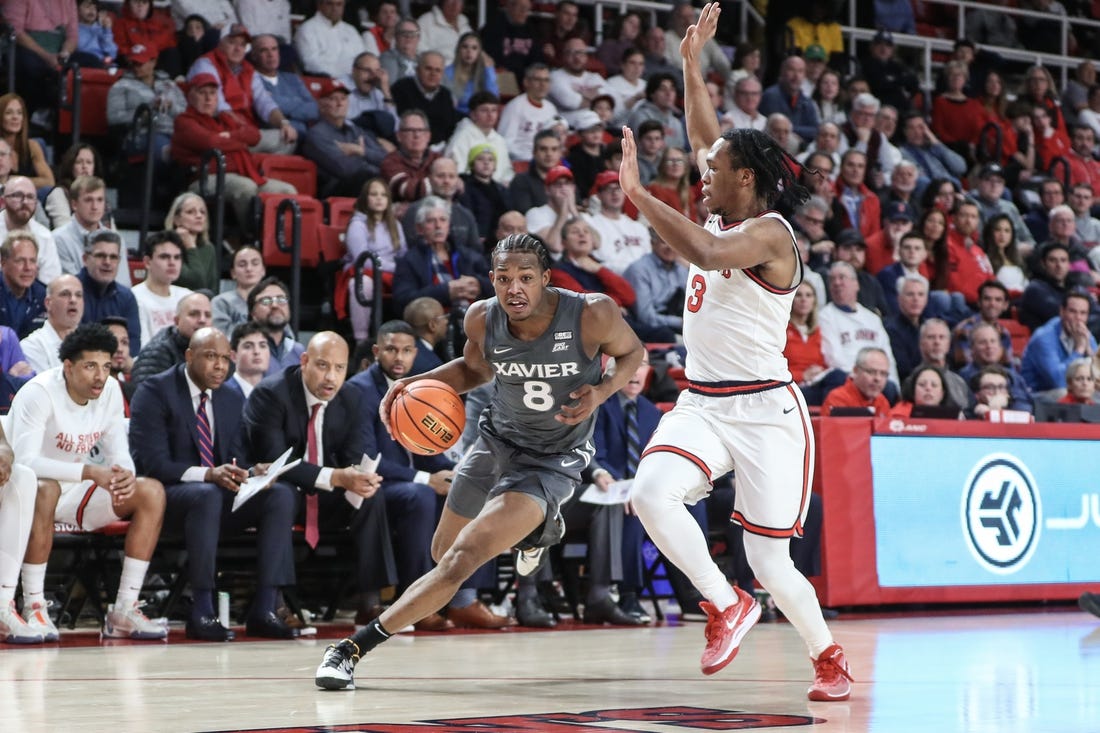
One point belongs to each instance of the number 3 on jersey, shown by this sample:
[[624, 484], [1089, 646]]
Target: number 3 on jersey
[[695, 300], [538, 396]]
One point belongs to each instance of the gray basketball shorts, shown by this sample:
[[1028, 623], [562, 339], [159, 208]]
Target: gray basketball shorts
[[492, 467]]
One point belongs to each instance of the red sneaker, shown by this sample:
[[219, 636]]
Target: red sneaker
[[725, 629], [832, 678]]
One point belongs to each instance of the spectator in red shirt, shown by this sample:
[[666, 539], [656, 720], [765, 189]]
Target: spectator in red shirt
[[1080, 384], [140, 25], [405, 170], [1050, 142], [967, 264], [1083, 168], [862, 210], [864, 386], [201, 128], [804, 356], [956, 117]]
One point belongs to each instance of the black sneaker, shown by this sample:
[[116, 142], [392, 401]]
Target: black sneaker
[[631, 606], [338, 667]]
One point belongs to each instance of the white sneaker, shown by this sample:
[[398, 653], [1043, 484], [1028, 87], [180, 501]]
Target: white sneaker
[[528, 561], [38, 618], [131, 623], [14, 630]]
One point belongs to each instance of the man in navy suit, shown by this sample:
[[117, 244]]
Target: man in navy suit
[[413, 485], [429, 322], [201, 461], [309, 409], [614, 461], [435, 266]]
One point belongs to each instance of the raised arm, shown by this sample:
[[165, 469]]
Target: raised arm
[[702, 122]]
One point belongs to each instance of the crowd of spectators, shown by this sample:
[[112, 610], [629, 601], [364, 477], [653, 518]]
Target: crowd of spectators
[[951, 219]]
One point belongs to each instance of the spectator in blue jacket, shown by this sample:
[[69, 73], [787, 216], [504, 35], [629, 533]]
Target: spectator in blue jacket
[[95, 46], [1058, 342], [286, 89], [103, 255], [786, 97]]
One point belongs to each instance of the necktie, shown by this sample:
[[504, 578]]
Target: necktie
[[206, 442], [313, 534], [633, 442]]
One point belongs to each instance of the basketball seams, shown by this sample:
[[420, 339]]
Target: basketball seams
[[409, 410]]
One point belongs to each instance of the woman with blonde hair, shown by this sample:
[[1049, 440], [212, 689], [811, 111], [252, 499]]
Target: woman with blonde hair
[[188, 218], [374, 228], [673, 182], [469, 73]]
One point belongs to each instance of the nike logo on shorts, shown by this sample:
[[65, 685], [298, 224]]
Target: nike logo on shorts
[[789, 410], [570, 463]]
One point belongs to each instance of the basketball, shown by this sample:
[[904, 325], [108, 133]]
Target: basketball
[[427, 417]]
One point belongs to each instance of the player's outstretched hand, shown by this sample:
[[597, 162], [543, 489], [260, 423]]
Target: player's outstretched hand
[[630, 180], [587, 400], [387, 400], [700, 32]]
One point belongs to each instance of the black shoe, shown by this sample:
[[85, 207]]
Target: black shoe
[[606, 612], [207, 628], [530, 613], [1090, 602], [269, 626], [631, 606]]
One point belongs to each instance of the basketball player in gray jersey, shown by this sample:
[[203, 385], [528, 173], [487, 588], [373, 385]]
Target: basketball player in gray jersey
[[543, 347]]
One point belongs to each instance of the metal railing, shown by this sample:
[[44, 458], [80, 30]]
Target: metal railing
[[375, 303], [218, 232], [294, 249], [144, 117], [71, 104]]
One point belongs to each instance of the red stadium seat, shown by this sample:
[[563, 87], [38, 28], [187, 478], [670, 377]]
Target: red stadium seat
[[331, 242], [1020, 335], [313, 216], [340, 211], [293, 169], [94, 85]]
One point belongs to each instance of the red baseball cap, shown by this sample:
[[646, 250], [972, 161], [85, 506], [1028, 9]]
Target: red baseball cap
[[605, 178], [327, 86], [140, 53], [202, 80], [558, 171]]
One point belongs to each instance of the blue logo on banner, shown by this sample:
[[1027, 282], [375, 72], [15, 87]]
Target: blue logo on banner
[[1001, 513]]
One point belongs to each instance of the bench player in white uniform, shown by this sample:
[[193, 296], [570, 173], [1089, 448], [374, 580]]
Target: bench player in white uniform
[[57, 418], [17, 493], [741, 409]]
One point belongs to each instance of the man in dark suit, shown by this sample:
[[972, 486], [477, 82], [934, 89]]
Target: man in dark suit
[[617, 455], [185, 431], [429, 322], [308, 408], [412, 485]]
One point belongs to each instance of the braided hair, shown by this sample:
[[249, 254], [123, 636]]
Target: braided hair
[[776, 181], [524, 243]]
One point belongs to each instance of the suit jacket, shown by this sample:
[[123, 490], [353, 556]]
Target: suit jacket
[[396, 463], [276, 418], [164, 439], [414, 275], [610, 433], [426, 359]]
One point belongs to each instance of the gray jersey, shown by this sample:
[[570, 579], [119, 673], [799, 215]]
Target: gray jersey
[[534, 379]]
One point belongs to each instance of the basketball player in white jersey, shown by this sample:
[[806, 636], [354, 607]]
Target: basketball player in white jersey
[[741, 411]]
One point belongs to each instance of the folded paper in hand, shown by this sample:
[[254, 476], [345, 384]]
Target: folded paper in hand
[[617, 493], [367, 465], [255, 484]]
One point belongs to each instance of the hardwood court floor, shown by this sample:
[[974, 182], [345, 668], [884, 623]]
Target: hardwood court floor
[[1026, 672]]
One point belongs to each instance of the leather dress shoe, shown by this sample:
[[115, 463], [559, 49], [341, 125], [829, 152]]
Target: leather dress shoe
[[478, 616], [631, 606], [435, 622], [269, 626], [530, 613], [207, 628], [607, 612], [368, 614]]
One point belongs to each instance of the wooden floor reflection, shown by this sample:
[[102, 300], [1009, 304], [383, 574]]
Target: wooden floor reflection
[[1003, 673]]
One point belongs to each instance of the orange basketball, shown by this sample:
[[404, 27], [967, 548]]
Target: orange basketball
[[427, 417]]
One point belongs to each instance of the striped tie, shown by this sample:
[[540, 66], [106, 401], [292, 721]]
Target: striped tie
[[206, 442], [633, 442]]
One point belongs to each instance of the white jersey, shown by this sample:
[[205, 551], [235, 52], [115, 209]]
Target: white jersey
[[735, 324], [54, 436]]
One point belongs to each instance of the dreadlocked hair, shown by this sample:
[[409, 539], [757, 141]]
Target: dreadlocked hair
[[776, 180], [524, 243]]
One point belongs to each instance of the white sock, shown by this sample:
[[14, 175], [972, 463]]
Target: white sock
[[16, 517], [659, 500], [129, 585], [34, 583]]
